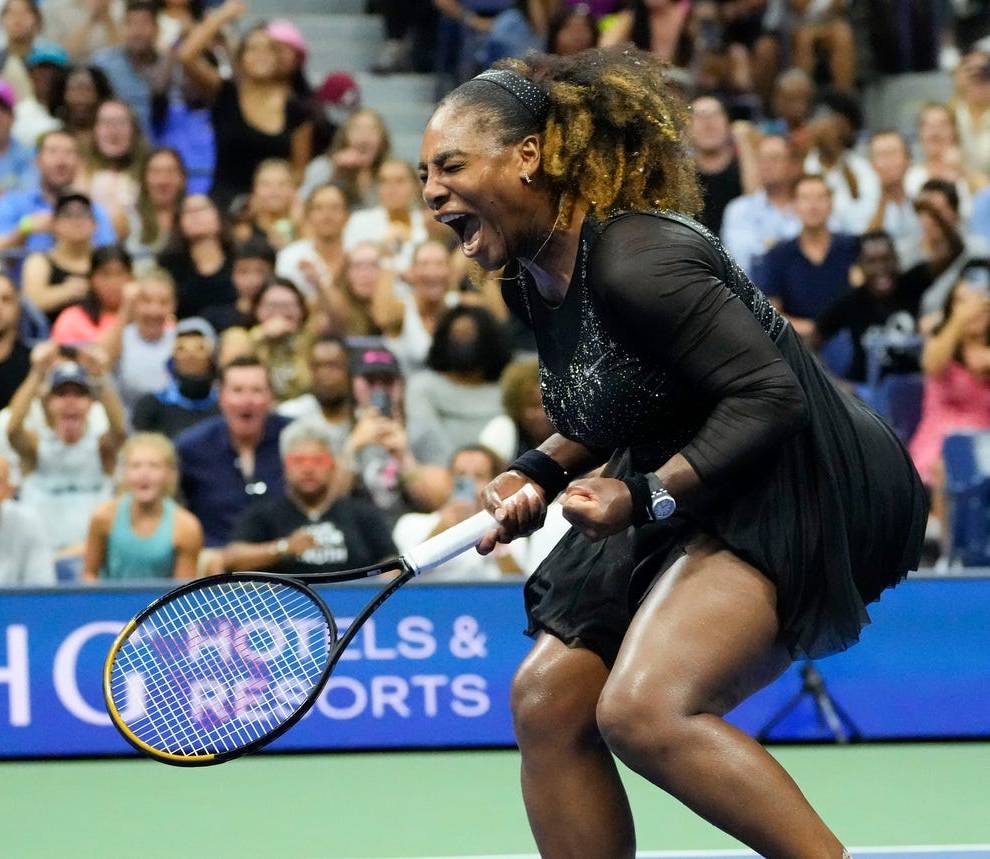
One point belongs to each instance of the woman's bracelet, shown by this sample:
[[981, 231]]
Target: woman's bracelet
[[544, 471]]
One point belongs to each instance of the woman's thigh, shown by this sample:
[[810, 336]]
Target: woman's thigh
[[704, 639]]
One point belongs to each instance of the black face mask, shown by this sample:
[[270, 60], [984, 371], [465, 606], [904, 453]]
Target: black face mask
[[195, 387], [464, 356]]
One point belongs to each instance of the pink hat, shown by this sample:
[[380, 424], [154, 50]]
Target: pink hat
[[7, 97], [287, 33]]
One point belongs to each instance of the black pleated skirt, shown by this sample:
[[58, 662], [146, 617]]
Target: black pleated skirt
[[836, 517]]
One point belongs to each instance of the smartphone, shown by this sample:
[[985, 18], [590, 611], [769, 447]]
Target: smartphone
[[464, 489], [381, 401]]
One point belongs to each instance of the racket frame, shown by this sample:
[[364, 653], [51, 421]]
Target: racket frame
[[301, 583]]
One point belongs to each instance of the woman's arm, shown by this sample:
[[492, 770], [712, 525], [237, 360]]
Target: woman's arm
[[301, 150], [620, 31], [188, 544], [36, 283], [940, 348], [201, 39], [22, 440], [96, 540]]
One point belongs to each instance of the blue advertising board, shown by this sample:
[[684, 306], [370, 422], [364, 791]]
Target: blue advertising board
[[433, 666]]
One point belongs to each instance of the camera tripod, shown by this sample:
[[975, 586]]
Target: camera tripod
[[838, 722]]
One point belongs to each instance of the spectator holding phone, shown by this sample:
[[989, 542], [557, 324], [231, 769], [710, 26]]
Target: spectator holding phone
[[307, 528], [143, 533], [67, 463]]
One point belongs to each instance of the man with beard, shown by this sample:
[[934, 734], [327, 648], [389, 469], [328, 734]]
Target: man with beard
[[191, 395], [308, 529], [329, 398], [230, 462]]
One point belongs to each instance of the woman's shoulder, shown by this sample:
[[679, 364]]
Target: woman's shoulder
[[187, 527], [105, 513], [630, 239]]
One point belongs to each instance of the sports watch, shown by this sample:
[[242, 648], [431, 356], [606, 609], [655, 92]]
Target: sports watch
[[662, 503]]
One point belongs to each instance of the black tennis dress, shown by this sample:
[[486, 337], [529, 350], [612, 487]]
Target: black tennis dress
[[663, 345]]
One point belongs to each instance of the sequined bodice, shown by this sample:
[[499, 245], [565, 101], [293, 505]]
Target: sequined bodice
[[598, 392]]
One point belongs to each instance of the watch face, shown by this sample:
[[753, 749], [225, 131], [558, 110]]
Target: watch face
[[664, 507]]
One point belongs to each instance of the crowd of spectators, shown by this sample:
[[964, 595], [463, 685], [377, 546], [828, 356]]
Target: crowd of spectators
[[232, 338]]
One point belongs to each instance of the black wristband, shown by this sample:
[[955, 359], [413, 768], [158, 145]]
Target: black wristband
[[544, 471], [642, 498]]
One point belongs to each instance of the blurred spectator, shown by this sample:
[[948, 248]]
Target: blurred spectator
[[525, 424], [417, 312], [34, 114], [273, 203], [410, 27], [902, 37], [281, 337], [26, 558], [112, 173], [971, 22], [74, 104], [140, 342], [855, 187], [155, 215], [396, 223], [662, 27], [16, 159], [254, 117], [895, 214], [791, 104], [175, 19], [572, 29], [143, 533], [329, 398], [318, 258], [306, 528], [972, 110], [956, 363], [15, 356], [884, 302], [185, 124], [806, 274], [190, 396], [338, 97], [21, 23], [754, 223], [822, 26], [253, 267], [450, 403], [138, 73], [231, 462], [59, 278], [719, 169], [198, 255], [471, 468], [82, 28], [943, 246], [378, 451], [26, 214], [518, 30], [91, 319], [363, 282], [356, 154], [941, 157], [67, 465]]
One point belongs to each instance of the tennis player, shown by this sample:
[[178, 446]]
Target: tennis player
[[749, 509]]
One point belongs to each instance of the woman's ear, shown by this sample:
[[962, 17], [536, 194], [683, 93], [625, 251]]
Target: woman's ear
[[529, 153]]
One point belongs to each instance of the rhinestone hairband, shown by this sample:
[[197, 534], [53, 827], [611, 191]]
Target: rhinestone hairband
[[532, 97]]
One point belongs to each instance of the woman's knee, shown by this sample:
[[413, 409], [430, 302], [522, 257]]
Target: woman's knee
[[638, 721], [553, 697]]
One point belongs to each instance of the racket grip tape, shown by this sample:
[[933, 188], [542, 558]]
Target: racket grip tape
[[452, 542]]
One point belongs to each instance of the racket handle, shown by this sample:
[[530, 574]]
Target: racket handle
[[452, 542]]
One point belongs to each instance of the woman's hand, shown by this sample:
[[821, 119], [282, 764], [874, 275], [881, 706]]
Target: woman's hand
[[598, 506], [517, 515]]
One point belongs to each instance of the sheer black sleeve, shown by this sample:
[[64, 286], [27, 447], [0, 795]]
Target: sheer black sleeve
[[661, 287]]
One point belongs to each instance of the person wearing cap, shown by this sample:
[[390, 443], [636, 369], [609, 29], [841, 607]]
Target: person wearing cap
[[290, 52], [26, 214], [190, 395], [67, 465], [138, 73], [45, 65], [16, 159]]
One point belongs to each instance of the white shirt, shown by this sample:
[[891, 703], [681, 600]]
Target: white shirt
[[26, 558], [372, 225], [752, 225], [853, 213], [287, 265]]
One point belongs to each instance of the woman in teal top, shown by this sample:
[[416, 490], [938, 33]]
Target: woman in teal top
[[143, 533]]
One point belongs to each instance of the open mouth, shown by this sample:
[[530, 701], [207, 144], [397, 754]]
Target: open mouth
[[468, 229]]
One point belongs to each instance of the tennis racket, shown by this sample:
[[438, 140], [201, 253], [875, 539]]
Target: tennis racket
[[222, 666]]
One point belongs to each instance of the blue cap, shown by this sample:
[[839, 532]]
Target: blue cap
[[47, 53], [69, 373]]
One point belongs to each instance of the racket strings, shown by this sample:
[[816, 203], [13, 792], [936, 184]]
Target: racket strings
[[179, 660]]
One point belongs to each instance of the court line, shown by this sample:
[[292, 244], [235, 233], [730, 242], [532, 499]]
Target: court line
[[898, 850]]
